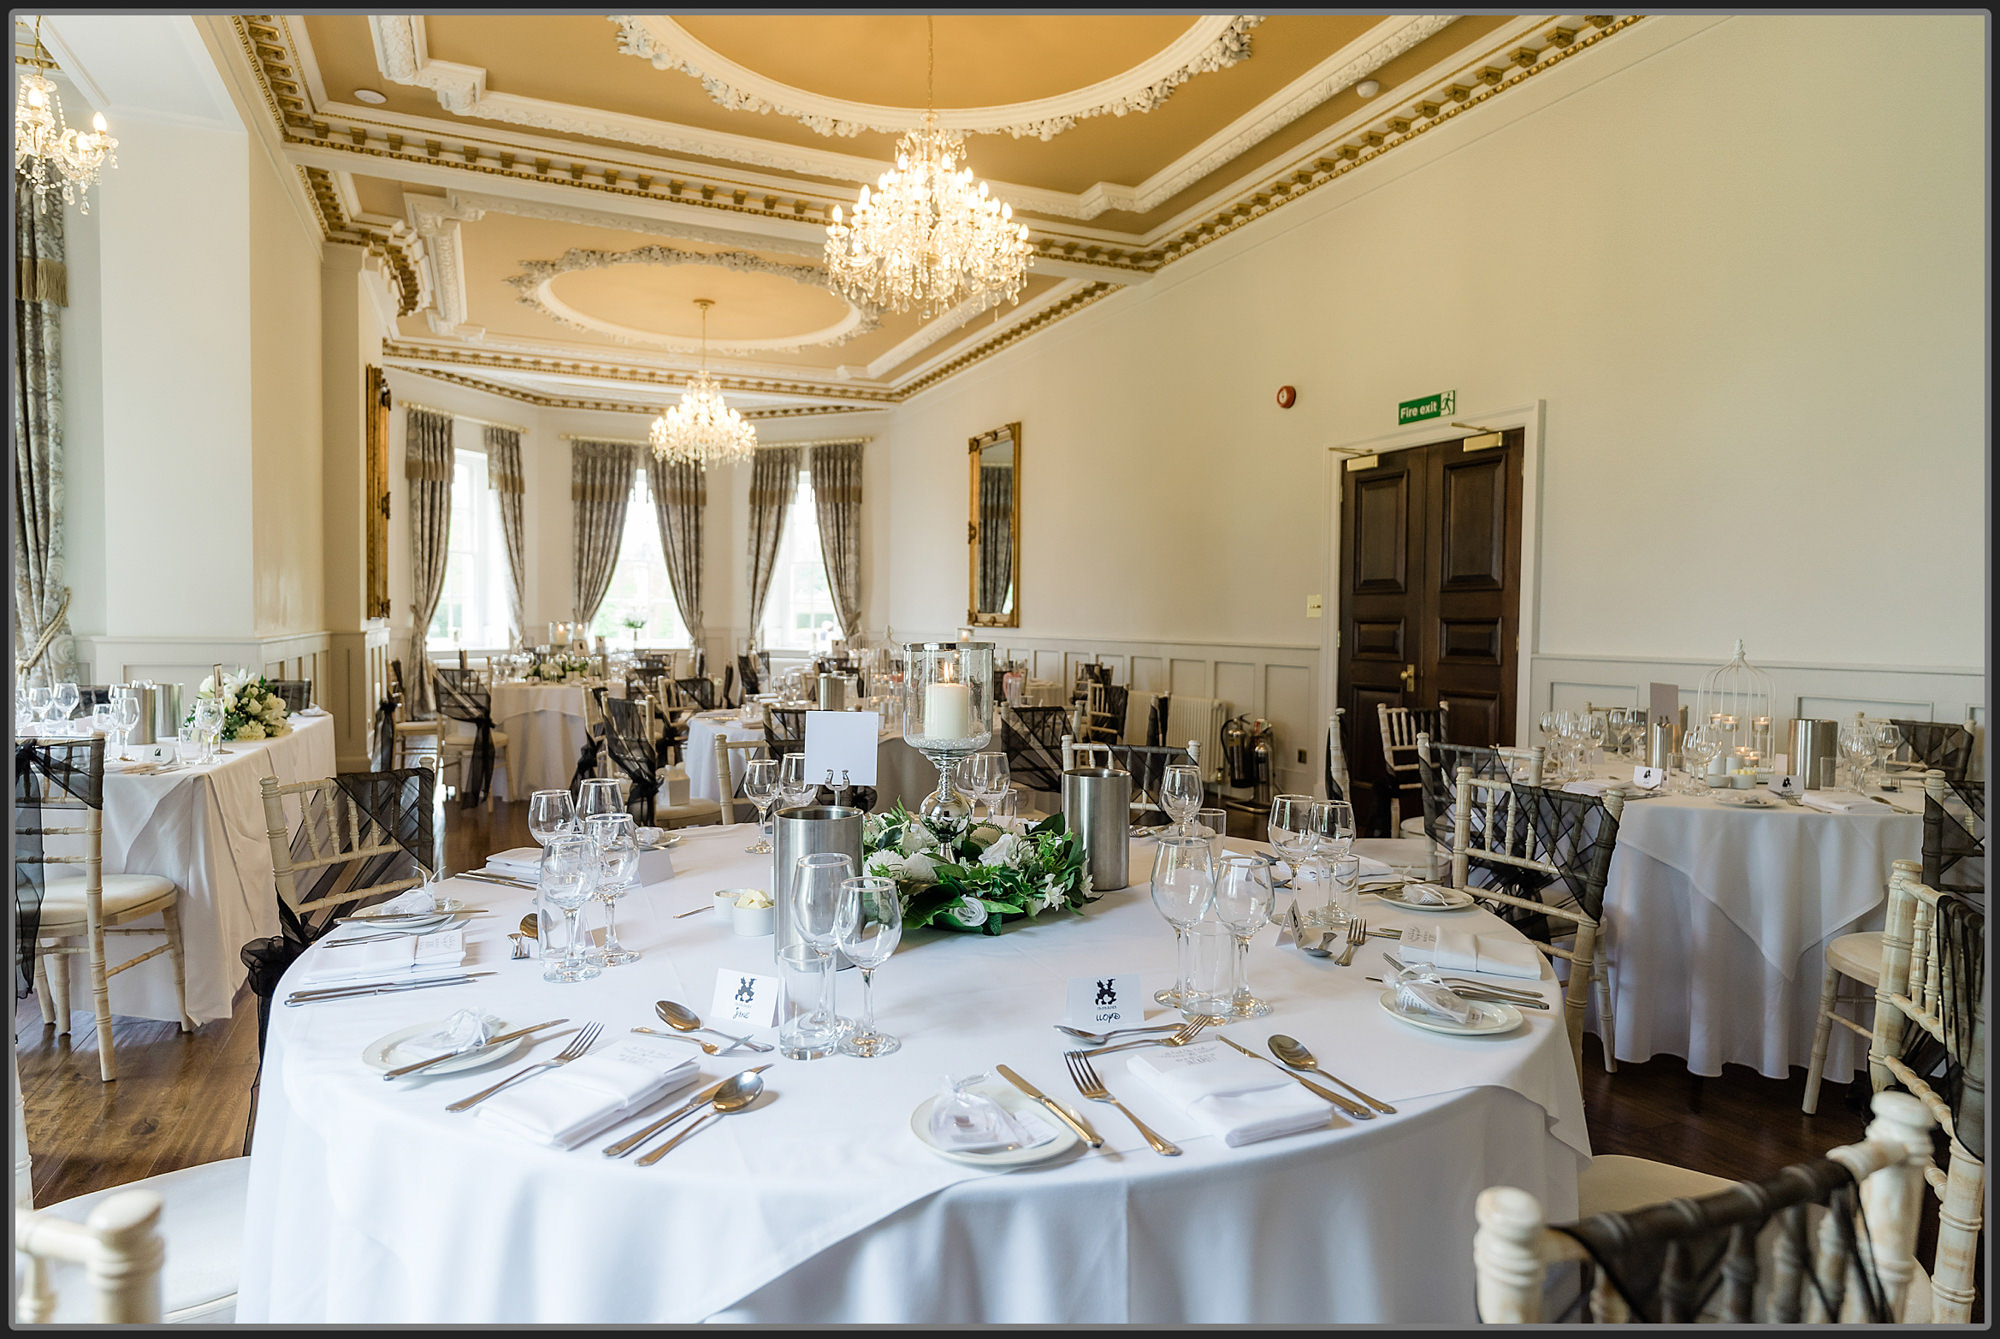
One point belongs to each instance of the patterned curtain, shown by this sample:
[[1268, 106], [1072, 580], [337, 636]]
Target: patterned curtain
[[428, 461], [600, 486], [503, 472], [836, 476], [996, 536], [43, 650], [680, 499], [773, 480]]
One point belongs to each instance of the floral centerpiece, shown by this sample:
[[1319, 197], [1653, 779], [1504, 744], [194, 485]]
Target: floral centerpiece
[[963, 875], [251, 710], [558, 669]]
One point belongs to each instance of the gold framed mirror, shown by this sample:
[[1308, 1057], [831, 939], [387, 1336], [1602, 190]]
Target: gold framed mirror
[[993, 532]]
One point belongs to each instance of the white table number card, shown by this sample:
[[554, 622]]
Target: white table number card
[[1105, 1001], [843, 742], [744, 997], [1648, 778], [1784, 784]]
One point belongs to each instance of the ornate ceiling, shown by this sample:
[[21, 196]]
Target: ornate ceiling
[[551, 193]]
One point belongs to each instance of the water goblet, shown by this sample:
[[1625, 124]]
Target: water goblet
[[818, 889], [600, 795], [1183, 883], [64, 701], [39, 699], [1857, 746], [867, 929], [760, 787], [1181, 794], [1330, 828], [1699, 747], [617, 838], [984, 776], [549, 812], [568, 875], [1243, 902], [1884, 738], [1290, 830], [104, 719]]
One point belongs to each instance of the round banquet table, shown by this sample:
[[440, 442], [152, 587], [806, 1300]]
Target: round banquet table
[[545, 727], [1717, 916], [368, 1203]]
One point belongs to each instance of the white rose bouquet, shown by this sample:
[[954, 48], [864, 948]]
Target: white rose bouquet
[[250, 709], [558, 668], [972, 876]]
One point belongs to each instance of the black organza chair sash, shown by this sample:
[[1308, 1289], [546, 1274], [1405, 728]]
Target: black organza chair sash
[[385, 732], [633, 753], [1939, 744], [1955, 839], [463, 697], [45, 772]]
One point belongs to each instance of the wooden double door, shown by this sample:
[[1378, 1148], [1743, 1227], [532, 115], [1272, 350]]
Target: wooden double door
[[1429, 598]]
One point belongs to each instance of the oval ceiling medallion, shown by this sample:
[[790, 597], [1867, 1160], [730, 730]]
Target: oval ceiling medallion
[[645, 296], [1210, 42]]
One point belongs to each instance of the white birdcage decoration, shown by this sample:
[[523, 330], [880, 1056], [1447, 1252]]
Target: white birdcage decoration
[[1736, 699]]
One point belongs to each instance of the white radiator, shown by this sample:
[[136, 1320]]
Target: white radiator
[[1201, 719]]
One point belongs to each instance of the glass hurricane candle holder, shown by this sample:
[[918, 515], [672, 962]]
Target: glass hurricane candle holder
[[947, 712]]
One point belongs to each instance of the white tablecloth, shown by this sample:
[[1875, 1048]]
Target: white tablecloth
[[1716, 919], [203, 828], [369, 1203], [901, 773], [545, 728]]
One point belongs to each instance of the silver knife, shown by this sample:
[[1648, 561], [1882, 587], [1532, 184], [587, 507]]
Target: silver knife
[[699, 1100], [506, 881], [377, 988], [1354, 1109], [483, 1046], [1056, 1109]]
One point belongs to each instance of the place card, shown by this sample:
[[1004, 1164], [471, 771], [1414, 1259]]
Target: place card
[[744, 997], [1648, 778], [1785, 784], [654, 867], [843, 742], [1108, 999]]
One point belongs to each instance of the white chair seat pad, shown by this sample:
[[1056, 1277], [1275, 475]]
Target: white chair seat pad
[[201, 1219], [62, 902], [1613, 1181], [1413, 827], [1858, 956]]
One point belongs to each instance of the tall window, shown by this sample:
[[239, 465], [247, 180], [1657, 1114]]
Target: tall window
[[472, 608], [798, 614], [640, 591]]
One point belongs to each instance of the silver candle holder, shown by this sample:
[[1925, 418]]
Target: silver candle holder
[[947, 712]]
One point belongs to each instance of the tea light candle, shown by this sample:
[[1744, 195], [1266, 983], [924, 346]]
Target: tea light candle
[[947, 711]]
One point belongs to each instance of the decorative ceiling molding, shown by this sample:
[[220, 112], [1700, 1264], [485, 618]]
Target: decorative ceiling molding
[[400, 250], [1212, 42], [587, 405], [935, 330], [1048, 316], [437, 221], [499, 360], [538, 276]]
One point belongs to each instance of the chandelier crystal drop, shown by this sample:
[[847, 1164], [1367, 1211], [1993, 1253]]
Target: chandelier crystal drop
[[929, 236], [702, 430], [49, 157]]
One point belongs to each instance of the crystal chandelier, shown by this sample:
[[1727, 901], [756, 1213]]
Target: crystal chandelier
[[48, 155], [701, 430], [928, 237]]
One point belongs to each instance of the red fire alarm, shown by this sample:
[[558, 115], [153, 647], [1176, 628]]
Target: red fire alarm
[[1285, 397]]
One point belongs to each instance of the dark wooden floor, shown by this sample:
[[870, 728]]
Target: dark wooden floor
[[183, 1100]]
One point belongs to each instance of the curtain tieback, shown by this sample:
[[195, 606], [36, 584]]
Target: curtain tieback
[[23, 664]]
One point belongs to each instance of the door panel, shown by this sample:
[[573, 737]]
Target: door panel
[[1381, 535], [1380, 607], [1475, 534], [1474, 523]]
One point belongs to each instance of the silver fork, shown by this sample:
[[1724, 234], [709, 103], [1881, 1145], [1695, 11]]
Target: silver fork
[[1357, 931], [1187, 1033], [1086, 1081], [1099, 1038], [576, 1049]]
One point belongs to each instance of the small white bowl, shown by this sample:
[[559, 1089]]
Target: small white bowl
[[725, 901], [753, 921]]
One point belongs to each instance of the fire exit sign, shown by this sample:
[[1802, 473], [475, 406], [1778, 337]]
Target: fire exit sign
[[1427, 406]]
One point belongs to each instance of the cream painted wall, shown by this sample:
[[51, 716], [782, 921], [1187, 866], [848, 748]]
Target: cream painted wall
[[1714, 249]]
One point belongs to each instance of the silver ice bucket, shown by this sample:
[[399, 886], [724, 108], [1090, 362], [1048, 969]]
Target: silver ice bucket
[[832, 692], [1812, 742], [808, 830], [166, 711], [1097, 807]]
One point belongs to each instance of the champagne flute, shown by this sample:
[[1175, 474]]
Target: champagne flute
[[867, 929], [1243, 901], [818, 890], [569, 871], [760, 787], [1183, 882], [617, 838], [549, 812], [1181, 794]]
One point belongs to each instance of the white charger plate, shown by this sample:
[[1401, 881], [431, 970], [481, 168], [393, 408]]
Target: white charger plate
[[1017, 1103], [1459, 899], [380, 1054], [1487, 1018]]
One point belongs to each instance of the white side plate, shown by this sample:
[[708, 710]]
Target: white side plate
[[381, 1054], [1016, 1102], [1487, 1019]]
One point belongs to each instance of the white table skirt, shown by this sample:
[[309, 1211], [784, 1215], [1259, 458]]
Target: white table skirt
[[545, 727], [369, 1204], [204, 829], [901, 773], [1716, 919]]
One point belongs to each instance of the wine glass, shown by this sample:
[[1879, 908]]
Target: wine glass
[[1183, 882], [128, 721], [568, 875], [1243, 900], [984, 776], [794, 786], [549, 812], [600, 795], [64, 701], [1181, 794], [617, 838], [1290, 832], [1330, 830], [209, 718], [760, 787], [1886, 737], [818, 889], [1595, 728], [1857, 746], [1699, 747], [103, 718], [867, 929], [39, 697]]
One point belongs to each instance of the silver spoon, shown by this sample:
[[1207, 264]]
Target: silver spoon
[[683, 1019], [1293, 1053], [708, 1046], [729, 1099]]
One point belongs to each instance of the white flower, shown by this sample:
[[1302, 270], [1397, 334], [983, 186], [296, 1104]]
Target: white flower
[[969, 912], [1001, 852], [1052, 893], [885, 865], [207, 688], [274, 711], [920, 868], [250, 730], [917, 838]]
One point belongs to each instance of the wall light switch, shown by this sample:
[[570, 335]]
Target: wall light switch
[[1313, 606]]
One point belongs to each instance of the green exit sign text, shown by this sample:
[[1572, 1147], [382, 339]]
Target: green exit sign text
[[1427, 406]]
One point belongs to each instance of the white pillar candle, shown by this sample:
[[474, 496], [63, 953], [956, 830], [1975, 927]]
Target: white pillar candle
[[948, 711]]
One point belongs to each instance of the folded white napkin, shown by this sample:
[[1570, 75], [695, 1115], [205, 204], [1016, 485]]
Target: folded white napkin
[[563, 1107], [1229, 1094], [1464, 951], [1418, 991], [416, 899], [523, 862], [1590, 785], [1425, 895], [466, 1030], [971, 1122], [1841, 802], [342, 960]]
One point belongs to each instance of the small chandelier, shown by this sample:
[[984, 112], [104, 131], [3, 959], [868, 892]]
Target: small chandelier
[[701, 430], [48, 155], [926, 237]]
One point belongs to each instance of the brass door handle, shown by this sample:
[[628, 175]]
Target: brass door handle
[[1409, 678]]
